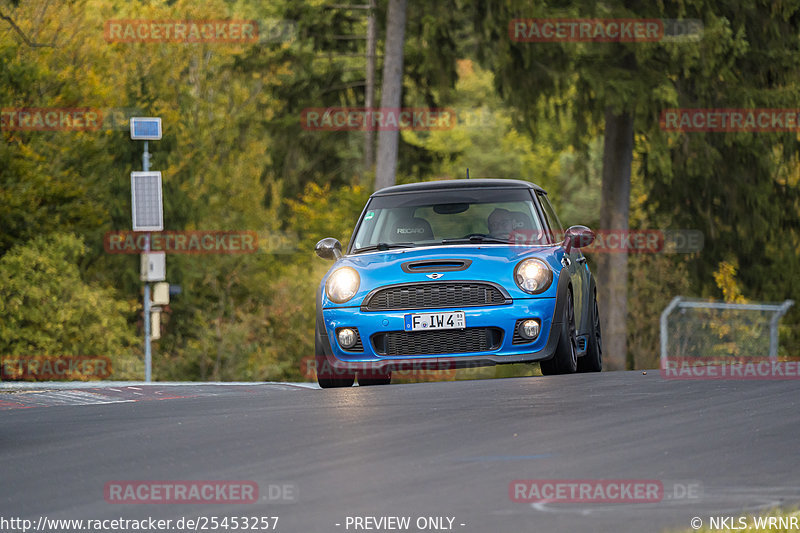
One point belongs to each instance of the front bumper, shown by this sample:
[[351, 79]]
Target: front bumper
[[371, 325]]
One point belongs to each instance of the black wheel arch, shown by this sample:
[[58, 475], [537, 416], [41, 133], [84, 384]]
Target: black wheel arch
[[319, 328], [562, 293], [586, 327]]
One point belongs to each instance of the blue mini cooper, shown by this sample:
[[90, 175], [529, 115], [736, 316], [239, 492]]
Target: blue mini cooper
[[453, 274]]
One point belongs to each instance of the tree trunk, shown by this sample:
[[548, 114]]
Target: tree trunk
[[369, 99], [612, 268], [391, 91]]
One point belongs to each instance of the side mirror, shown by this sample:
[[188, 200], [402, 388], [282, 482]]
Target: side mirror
[[329, 248], [577, 237]]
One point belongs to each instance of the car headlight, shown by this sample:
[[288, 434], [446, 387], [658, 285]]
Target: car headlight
[[342, 285], [533, 275]]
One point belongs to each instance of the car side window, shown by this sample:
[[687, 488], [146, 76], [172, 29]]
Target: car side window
[[552, 219]]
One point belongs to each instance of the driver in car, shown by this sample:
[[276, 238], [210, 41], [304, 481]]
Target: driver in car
[[501, 224]]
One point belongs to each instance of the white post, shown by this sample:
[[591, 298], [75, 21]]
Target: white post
[[672, 305]]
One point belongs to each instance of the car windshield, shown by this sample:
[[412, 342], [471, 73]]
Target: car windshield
[[492, 216]]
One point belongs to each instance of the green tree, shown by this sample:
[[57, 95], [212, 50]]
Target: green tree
[[624, 86], [48, 309]]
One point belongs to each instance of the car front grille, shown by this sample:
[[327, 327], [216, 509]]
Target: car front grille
[[435, 295], [448, 341]]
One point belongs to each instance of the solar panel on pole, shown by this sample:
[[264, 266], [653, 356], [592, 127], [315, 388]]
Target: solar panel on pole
[[147, 211], [146, 201], [145, 128]]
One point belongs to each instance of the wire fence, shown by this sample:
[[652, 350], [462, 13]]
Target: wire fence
[[692, 328]]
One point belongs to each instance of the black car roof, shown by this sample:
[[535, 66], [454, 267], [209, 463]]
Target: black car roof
[[496, 183]]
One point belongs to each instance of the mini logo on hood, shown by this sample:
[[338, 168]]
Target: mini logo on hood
[[435, 275]]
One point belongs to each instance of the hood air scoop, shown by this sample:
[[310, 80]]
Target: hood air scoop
[[436, 265]]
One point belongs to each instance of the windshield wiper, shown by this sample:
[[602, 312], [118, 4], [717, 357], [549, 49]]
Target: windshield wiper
[[475, 238], [383, 246]]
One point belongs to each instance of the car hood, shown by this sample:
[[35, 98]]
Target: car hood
[[486, 262]]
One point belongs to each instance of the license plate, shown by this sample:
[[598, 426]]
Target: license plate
[[425, 321]]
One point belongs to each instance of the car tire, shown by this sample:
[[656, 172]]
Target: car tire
[[327, 377], [565, 358], [374, 378], [592, 361]]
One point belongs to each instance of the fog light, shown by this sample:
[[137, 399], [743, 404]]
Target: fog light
[[347, 337], [529, 329]]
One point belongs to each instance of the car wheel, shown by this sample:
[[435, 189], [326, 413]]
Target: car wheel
[[565, 360], [327, 377], [367, 379], [593, 360]]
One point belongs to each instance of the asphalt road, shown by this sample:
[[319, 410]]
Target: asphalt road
[[448, 449]]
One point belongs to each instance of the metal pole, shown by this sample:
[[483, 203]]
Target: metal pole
[[148, 358], [672, 305], [147, 355], [773, 328]]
